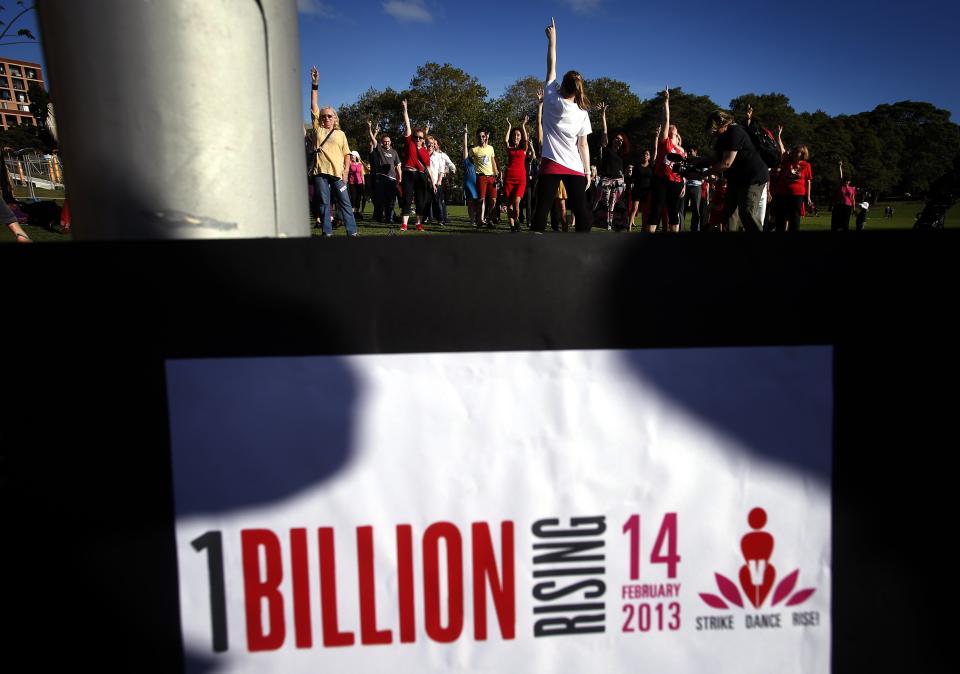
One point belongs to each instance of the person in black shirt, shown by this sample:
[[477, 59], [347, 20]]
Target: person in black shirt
[[385, 167], [746, 173], [610, 169], [642, 174]]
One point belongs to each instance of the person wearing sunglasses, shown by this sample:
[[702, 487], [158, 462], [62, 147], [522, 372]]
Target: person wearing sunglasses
[[416, 190], [331, 164]]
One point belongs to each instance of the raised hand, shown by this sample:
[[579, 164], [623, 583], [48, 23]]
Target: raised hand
[[779, 130], [539, 95], [526, 118], [403, 103], [314, 75], [551, 30], [602, 107], [750, 112], [666, 93]]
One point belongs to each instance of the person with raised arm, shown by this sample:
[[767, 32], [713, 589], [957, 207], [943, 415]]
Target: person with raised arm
[[331, 164], [843, 203], [515, 183], [565, 154], [416, 190], [792, 188], [610, 168], [385, 166], [484, 159], [667, 188]]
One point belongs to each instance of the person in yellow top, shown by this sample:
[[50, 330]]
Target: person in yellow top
[[331, 163], [485, 161]]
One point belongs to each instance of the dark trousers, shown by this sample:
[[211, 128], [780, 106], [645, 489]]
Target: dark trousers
[[438, 209], [576, 186], [787, 209], [696, 207], [384, 198], [665, 194], [840, 218]]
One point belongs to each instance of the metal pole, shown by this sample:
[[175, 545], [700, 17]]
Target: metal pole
[[180, 120]]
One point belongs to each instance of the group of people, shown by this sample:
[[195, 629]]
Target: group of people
[[754, 183]]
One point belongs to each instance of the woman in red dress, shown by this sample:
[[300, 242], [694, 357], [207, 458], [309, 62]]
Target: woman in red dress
[[515, 184]]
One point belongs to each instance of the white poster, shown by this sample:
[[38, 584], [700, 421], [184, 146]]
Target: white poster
[[561, 511]]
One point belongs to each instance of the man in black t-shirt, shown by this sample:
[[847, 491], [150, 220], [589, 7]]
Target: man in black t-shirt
[[385, 168], [746, 173]]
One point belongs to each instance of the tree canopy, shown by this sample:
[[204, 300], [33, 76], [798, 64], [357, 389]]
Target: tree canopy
[[894, 149]]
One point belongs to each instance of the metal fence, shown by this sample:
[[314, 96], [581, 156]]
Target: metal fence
[[36, 171]]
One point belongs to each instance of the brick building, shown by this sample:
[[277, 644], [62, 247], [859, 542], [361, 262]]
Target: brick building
[[15, 78]]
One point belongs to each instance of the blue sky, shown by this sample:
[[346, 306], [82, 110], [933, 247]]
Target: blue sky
[[840, 57], [837, 56]]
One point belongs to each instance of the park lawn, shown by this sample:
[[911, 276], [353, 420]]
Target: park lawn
[[905, 213]]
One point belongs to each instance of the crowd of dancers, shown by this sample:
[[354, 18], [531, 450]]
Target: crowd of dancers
[[750, 181]]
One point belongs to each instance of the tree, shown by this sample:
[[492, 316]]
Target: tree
[[519, 99], [448, 98], [688, 111], [23, 35], [624, 105], [771, 110]]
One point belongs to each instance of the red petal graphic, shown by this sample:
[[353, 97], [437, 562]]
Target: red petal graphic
[[785, 587], [713, 600], [801, 596], [729, 590]]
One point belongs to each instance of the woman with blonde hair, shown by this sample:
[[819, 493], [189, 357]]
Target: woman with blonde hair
[[565, 154], [667, 187], [331, 164], [791, 192]]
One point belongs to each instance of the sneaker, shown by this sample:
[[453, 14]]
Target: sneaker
[[420, 227], [403, 227], [354, 235]]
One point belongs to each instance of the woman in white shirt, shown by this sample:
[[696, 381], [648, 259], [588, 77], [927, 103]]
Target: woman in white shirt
[[565, 155]]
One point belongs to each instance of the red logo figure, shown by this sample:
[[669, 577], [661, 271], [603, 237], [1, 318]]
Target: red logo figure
[[758, 574]]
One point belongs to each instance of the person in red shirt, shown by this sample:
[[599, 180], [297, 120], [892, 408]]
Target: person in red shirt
[[416, 188], [515, 183], [843, 203], [667, 188], [792, 190]]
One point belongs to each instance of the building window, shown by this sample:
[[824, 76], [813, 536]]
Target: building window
[[22, 98], [23, 107], [3, 69], [31, 74], [19, 85], [5, 95], [15, 71], [10, 120]]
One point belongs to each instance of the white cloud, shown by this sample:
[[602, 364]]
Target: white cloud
[[583, 6], [408, 11], [315, 8]]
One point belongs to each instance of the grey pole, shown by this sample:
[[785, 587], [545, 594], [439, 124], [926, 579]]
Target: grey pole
[[178, 119]]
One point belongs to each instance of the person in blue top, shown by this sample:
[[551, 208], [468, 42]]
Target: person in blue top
[[470, 193]]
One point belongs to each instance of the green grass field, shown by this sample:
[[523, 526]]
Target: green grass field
[[905, 213]]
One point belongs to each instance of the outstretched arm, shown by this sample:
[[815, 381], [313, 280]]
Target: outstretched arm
[[656, 145], [540, 115], [551, 31], [373, 133], [466, 149], [666, 115], [841, 171], [314, 85], [783, 150], [523, 130], [406, 119], [603, 112], [506, 139]]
